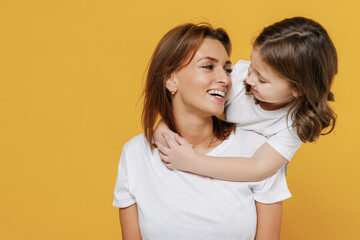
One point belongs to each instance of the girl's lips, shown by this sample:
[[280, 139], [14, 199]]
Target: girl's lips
[[253, 90]]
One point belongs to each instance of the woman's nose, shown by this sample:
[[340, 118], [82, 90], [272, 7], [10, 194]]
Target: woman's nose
[[224, 78]]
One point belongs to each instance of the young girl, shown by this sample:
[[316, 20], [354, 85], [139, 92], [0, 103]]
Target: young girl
[[292, 67]]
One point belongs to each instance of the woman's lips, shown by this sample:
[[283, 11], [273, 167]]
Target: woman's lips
[[217, 98]]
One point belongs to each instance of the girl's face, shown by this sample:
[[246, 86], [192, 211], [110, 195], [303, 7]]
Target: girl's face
[[270, 88], [202, 85]]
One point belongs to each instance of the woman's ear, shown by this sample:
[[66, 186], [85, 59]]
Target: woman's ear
[[296, 93], [170, 84]]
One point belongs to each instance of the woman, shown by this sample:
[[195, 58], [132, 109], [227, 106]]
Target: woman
[[188, 80]]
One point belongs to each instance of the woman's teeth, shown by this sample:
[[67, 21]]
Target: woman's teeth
[[217, 93]]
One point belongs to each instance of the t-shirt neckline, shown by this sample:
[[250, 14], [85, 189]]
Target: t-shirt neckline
[[222, 146], [271, 113]]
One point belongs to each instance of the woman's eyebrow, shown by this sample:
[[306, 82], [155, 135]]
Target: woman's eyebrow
[[208, 58], [214, 60]]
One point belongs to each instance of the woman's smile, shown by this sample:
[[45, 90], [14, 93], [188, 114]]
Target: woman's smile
[[218, 95]]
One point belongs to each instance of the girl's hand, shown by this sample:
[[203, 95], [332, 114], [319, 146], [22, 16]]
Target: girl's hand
[[162, 127], [179, 154]]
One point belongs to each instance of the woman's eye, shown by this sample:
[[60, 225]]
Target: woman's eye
[[208, 67], [228, 70]]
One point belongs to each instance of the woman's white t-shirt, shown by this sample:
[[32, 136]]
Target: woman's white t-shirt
[[179, 205]]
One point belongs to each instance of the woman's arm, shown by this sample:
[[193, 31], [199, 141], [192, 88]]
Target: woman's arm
[[268, 221], [179, 154], [129, 223]]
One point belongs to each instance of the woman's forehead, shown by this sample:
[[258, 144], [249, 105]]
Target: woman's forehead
[[211, 49]]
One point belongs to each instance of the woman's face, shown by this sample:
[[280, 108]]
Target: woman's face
[[202, 85]]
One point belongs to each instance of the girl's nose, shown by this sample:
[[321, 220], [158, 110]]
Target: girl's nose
[[250, 80]]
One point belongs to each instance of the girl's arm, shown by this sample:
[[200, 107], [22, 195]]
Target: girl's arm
[[179, 154], [129, 223], [268, 221]]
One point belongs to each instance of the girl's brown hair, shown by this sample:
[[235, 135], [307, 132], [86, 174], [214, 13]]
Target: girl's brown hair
[[301, 50], [174, 51]]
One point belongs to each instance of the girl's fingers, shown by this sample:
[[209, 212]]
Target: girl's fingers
[[169, 166], [164, 158], [181, 140], [170, 141], [162, 148]]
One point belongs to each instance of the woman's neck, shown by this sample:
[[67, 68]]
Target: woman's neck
[[196, 130]]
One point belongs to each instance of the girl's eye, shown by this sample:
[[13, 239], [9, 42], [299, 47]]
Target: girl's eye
[[210, 67]]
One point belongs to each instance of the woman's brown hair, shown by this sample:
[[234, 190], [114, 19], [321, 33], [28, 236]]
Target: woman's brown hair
[[301, 50], [174, 51]]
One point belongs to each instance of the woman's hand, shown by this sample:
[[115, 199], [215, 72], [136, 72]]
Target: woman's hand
[[179, 154]]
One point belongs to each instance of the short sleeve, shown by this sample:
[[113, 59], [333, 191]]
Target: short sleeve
[[286, 142], [238, 75], [122, 196], [273, 189]]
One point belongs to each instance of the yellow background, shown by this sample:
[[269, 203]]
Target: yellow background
[[71, 74]]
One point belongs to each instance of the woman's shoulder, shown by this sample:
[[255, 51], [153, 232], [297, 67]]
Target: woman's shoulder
[[137, 151], [137, 143]]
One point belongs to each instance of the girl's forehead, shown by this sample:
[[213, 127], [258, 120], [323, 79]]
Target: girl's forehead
[[257, 61], [262, 68]]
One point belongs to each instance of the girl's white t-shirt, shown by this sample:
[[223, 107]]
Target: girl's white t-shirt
[[274, 125], [179, 205]]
